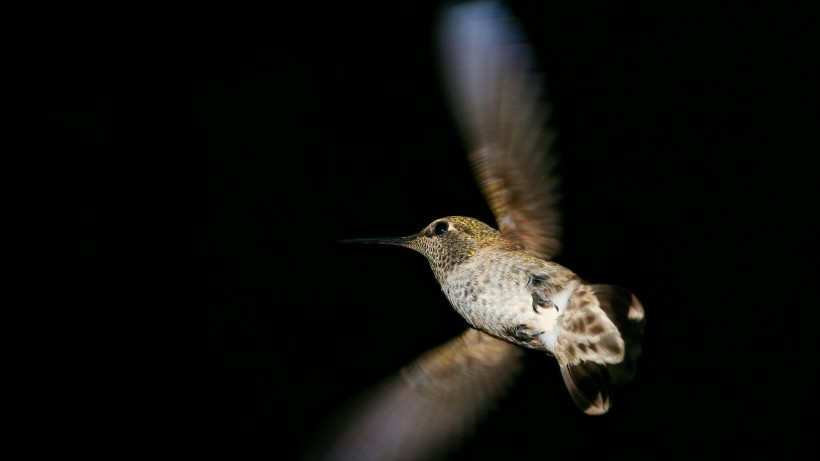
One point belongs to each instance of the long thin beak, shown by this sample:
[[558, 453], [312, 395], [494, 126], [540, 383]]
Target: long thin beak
[[399, 241]]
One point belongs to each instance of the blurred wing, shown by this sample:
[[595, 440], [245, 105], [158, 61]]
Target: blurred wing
[[497, 100], [429, 406]]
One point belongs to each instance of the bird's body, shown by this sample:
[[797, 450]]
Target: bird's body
[[502, 281], [496, 290], [508, 292], [499, 288]]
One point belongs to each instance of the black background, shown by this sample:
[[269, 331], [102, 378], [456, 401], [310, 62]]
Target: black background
[[176, 181]]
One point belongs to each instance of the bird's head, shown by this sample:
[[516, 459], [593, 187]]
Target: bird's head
[[445, 242]]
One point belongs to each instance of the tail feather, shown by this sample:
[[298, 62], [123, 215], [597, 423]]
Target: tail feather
[[626, 312], [589, 386], [589, 378]]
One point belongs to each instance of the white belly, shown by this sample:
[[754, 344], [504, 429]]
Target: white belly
[[492, 296]]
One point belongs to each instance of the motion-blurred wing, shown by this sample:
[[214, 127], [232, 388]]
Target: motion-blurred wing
[[429, 406], [497, 100]]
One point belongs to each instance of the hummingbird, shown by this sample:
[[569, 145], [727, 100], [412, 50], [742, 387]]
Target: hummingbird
[[501, 280]]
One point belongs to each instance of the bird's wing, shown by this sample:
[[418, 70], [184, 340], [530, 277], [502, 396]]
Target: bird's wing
[[497, 100], [429, 406]]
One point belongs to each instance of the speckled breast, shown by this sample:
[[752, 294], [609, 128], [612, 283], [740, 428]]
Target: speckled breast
[[491, 293]]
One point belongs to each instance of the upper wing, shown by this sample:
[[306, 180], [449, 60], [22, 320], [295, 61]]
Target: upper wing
[[497, 100], [429, 406]]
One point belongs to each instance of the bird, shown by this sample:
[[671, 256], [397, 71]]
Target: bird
[[502, 280]]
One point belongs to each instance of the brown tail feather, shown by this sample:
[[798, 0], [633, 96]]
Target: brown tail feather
[[589, 386], [590, 383], [626, 312]]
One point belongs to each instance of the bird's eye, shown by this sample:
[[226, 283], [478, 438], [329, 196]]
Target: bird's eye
[[441, 228]]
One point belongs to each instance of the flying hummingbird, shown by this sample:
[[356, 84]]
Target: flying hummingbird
[[502, 281]]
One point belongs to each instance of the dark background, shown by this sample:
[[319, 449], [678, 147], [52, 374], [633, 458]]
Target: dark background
[[175, 183]]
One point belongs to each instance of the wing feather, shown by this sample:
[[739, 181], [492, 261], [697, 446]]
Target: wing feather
[[497, 99], [429, 406]]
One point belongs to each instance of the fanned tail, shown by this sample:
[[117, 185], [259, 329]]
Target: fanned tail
[[626, 312], [597, 357]]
